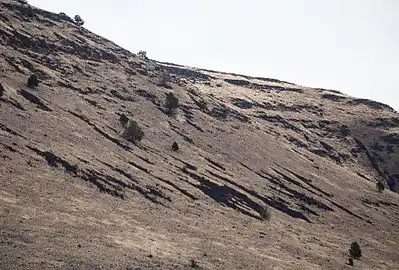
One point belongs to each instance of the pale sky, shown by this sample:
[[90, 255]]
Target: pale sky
[[347, 45]]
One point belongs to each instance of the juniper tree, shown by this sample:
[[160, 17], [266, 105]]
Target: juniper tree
[[171, 103], [355, 250], [78, 20]]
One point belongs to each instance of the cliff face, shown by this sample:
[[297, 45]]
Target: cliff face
[[76, 194]]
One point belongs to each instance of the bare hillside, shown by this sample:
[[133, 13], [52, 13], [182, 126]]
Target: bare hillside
[[77, 194]]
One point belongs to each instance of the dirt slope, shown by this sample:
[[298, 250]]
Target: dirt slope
[[75, 194]]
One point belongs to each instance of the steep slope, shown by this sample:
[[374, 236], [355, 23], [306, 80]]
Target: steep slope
[[77, 195]]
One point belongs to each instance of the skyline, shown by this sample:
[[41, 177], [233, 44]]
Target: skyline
[[340, 45]]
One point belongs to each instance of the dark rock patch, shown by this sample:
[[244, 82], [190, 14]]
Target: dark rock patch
[[332, 97], [186, 73], [34, 99], [54, 161], [391, 139], [243, 83], [242, 103], [371, 104]]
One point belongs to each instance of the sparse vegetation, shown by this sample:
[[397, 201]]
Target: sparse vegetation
[[265, 213], [1, 90], [142, 55], [175, 146], [78, 20], [133, 132], [29, 11], [97, 174], [380, 186], [123, 119], [33, 81], [164, 79], [194, 264], [171, 103], [65, 17], [355, 250]]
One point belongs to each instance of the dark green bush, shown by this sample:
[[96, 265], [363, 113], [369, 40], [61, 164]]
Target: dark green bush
[[33, 81], [175, 146], [1, 90], [380, 186], [171, 103], [142, 55], [123, 119], [133, 132], [355, 250], [78, 20]]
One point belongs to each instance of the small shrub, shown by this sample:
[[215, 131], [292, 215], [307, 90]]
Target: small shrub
[[171, 103], [65, 17], [265, 213], [29, 11], [194, 264], [133, 132], [78, 20], [164, 79], [350, 261], [123, 119], [33, 81], [355, 250], [1, 90], [142, 55], [175, 146], [380, 186], [26, 8]]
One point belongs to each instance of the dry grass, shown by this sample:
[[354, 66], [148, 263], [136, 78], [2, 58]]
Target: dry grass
[[76, 194]]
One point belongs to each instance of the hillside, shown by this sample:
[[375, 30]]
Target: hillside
[[76, 194]]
